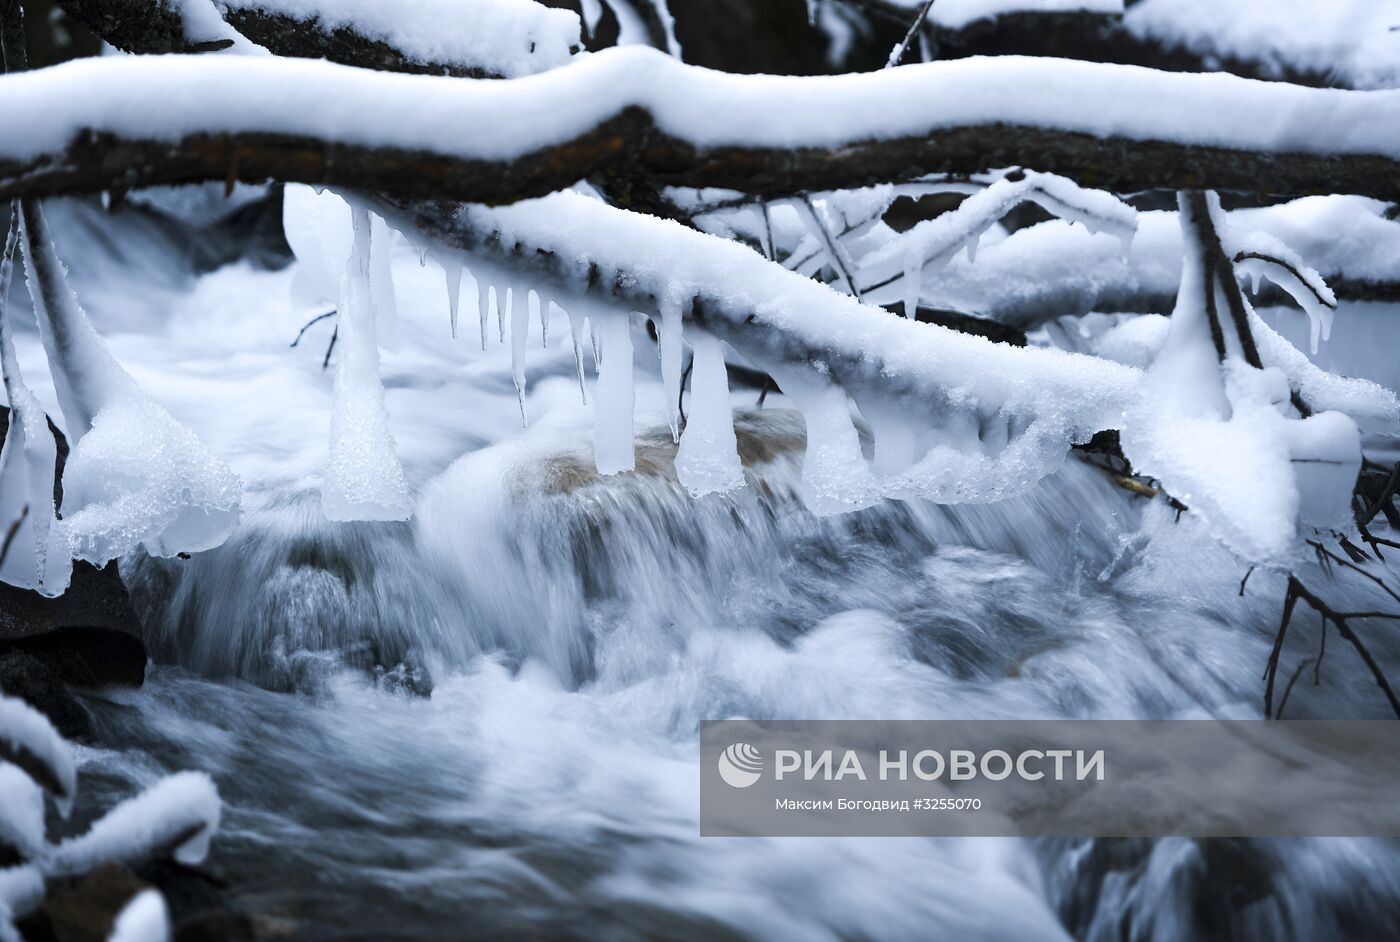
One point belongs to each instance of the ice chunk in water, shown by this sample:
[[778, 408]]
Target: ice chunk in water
[[135, 476]]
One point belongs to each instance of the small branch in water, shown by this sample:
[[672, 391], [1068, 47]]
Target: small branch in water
[[330, 348], [1242, 584], [1288, 689], [308, 325], [1296, 592]]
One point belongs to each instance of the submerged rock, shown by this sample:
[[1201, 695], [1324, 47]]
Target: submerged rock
[[89, 636], [31, 680]]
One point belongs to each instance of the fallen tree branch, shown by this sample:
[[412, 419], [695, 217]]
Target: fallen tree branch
[[154, 27], [1298, 592], [636, 110]]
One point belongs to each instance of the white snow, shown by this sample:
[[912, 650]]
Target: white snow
[[955, 14], [177, 815], [143, 919], [364, 480], [21, 813], [500, 120], [1350, 41], [500, 37], [21, 890], [28, 738], [932, 243], [1220, 437]]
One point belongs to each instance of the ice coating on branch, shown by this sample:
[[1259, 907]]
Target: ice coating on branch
[[614, 398], [364, 480], [672, 353], [135, 476], [176, 816], [884, 274], [37, 556], [835, 477], [769, 313], [506, 38], [21, 813], [21, 891], [1223, 437], [707, 460], [144, 919], [28, 740], [1260, 255]]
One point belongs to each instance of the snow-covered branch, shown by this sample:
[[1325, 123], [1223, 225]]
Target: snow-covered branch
[[478, 38], [94, 125], [955, 417]]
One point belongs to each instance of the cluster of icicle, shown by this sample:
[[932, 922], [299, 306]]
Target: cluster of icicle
[[134, 476], [177, 816]]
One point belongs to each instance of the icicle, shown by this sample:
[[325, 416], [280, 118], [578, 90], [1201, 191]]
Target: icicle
[[422, 258], [364, 480], [614, 398], [483, 304], [597, 346], [135, 476], [452, 270], [503, 303], [669, 344], [386, 304], [519, 335], [913, 281], [896, 437], [37, 555], [835, 477], [544, 320], [576, 336], [707, 460]]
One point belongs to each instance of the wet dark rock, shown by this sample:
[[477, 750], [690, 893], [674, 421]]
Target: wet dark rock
[[31, 680], [88, 637], [83, 909], [198, 910]]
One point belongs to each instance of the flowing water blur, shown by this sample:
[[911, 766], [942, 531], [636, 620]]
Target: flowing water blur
[[485, 722]]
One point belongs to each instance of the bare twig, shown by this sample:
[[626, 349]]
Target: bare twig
[[330, 348], [1297, 591], [897, 54], [307, 326]]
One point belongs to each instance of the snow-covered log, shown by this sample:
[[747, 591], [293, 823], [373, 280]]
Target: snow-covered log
[[29, 741], [478, 38], [1053, 269], [94, 125], [973, 421]]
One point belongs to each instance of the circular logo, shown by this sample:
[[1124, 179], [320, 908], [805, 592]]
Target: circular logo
[[740, 765]]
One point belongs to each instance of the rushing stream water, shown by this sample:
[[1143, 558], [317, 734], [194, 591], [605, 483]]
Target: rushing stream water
[[483, 723]]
